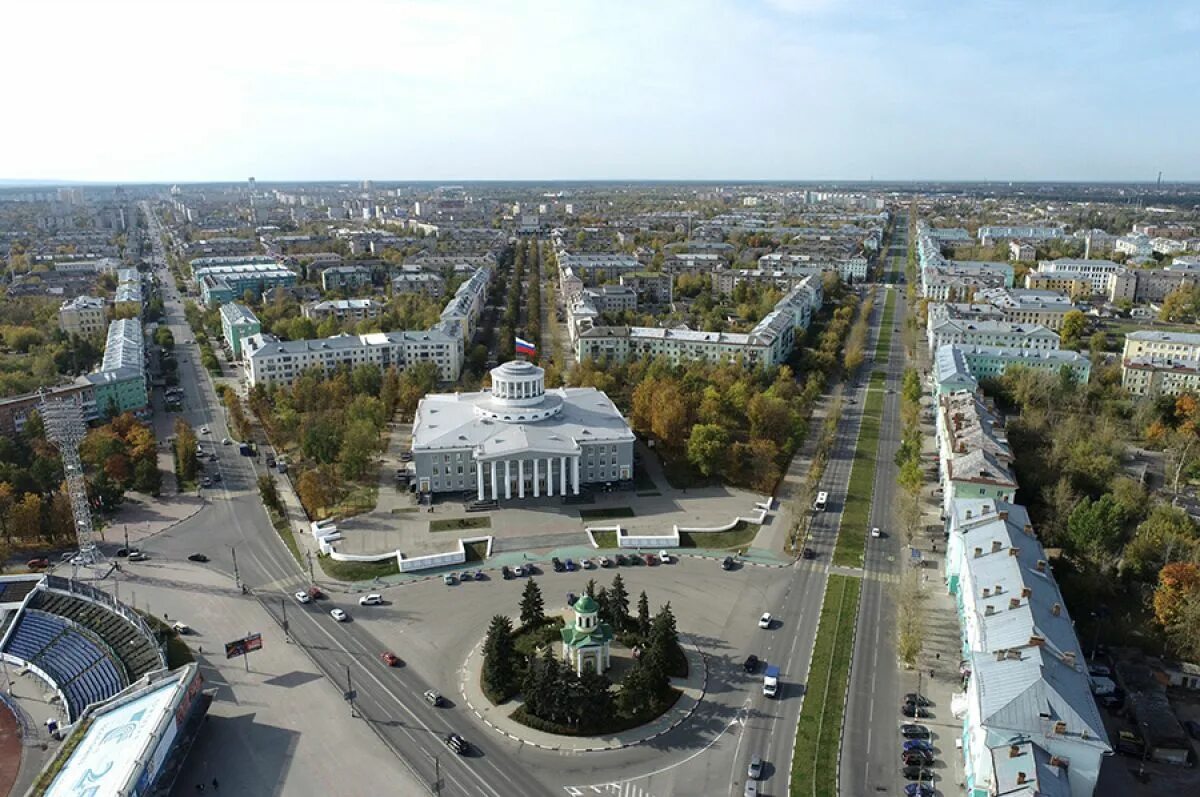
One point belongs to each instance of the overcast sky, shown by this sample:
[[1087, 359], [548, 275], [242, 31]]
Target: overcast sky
[[655, 89]]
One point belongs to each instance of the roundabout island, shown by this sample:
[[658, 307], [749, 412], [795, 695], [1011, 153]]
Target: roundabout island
[[591, 677]]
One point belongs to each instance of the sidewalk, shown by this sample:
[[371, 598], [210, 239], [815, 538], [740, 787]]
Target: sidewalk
[[694, 688]]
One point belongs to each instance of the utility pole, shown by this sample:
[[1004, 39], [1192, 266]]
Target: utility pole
[[286, 636], [350, 692], [126, 528], [237, 581], [311, 578], [437, 776]]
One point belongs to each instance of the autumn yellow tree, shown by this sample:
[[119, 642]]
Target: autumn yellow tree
[[1178, 582]]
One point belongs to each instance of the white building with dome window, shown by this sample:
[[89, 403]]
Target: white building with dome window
[[519, 440]]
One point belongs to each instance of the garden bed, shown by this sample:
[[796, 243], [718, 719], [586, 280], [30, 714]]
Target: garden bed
[[606, 513], [615, 722], [460, 524], [358, 571]]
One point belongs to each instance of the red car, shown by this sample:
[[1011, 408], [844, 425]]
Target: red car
[[38, 564], [651, 560], [390, 659]]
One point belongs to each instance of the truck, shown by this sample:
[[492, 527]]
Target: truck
[[771, 680]]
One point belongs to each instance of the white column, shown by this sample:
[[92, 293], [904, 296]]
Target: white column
[[549, 477], [536, 474], [479, 478], [562, 477], [507, 478], [575, 474], [520, 478], [495, 495]]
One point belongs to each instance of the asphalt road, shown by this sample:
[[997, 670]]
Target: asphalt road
[[870, 759]]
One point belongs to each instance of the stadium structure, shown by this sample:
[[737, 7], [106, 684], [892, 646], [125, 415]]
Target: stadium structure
[[125, 714]]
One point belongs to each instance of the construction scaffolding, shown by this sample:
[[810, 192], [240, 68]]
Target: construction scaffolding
[[66, 428]]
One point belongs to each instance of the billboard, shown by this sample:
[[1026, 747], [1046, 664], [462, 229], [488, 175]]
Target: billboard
[[240, 647]]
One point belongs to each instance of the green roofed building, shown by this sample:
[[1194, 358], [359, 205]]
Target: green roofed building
[[586, 643]]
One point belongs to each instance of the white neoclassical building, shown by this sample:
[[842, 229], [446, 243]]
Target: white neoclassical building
[[519, 440]]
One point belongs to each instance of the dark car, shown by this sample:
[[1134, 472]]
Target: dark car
[[727, 563], [38, 564], [910, 731], [917, 744], [197, 557], [570, 565], [920, 700], [456, 743], [751, 663], [122, 552], [916, 772], [505, 572], [621, 559], [809, 553], [918, 790], [917, 758], [1193, 728], [558, 565], [532, 570], [913, 710]]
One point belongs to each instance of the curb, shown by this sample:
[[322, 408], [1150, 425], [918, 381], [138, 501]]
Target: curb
[[559, 748]]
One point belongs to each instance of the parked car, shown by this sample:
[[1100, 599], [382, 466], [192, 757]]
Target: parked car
[[570, 564], [518, 571], [374, 599], [465, 575], [226, 441], [588, 564], [910, 731], [506, 572], [766, 620], [122, 552], [38, 564], [390, 659], [920, 700], [650, 560], [456, 743], [449, 579], [137, 556], [664, 557], [339, 615], [434, 698], [302, 597], [917, 758], [605, 561], [917, 789], [750, 664], [915, 711], [917, 744], [875, 532], [571, 598], [727, 563], [181, 628], [557, 564], [917, 772], [809, 553], [197, 557], [622, 560], [1193, 728]]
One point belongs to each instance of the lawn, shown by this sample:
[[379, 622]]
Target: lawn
[[284, 529], [884, 344], [605, 539], [818, 732], [607, 513], [527, 640], [358, 571], [740, 536], [476, 551], [852, 535], [460, 523]]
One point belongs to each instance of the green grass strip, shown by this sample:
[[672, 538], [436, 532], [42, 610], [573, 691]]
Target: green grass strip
[[884, 345], [819, 730], [856, 513]]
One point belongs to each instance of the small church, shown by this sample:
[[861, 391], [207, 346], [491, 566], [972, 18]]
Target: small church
[[586, 643]]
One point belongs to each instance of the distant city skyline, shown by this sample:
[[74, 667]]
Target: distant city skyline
[[693, 91]]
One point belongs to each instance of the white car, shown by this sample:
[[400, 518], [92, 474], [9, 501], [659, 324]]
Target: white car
[[303, 597], [371, 600], [664, 557], [203, 430], [339, 615], [765, 620], [181, 627], [875, 532]]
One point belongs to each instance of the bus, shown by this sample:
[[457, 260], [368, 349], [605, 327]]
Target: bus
[[819, 504]]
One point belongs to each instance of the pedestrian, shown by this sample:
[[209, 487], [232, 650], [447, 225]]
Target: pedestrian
[[938, 656], [199, 787], [216, 785], [930, 672], [166, 616]]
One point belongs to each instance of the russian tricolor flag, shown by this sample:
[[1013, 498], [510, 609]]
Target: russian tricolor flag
[[525, 347]]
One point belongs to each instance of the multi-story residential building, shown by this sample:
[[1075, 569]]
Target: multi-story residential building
[[227, 282], [1022, 251], [1152, 377], [1153, 284], [238, 322], [992, 361], [1134, 245], [98, 266], [990, 234], [1162, 345], [347, 278], [975, 458], [651, 287], [950, 373], [693, 263], [267, 360], [120, 383], [1030, 724], [1025, 306], [85, 316], [850, 267], [992, 333], [1075, 285], [612, 298], [1098, 271], [725, 280], [220, 247], [519, 440], [343, 309], [766, 346], [127, 299], [424, 282], [465, 306], [595, 269]]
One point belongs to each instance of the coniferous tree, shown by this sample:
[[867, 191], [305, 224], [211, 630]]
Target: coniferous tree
[[643, 618], [499, 658], [533, 608], [618, 604]]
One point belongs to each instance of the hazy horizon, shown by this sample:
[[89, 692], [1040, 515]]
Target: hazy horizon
[[704, 91]]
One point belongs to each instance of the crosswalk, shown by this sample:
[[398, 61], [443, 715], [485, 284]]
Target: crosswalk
[[618, 789]]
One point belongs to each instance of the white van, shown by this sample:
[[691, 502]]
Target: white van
[[822, 499]]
